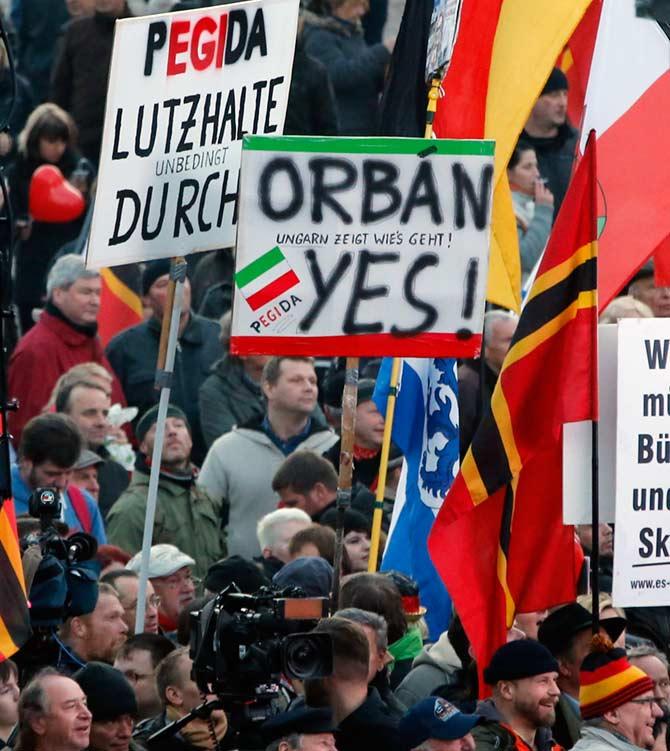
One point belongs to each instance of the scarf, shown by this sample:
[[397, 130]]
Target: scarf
[[408, 646], [89, 329]]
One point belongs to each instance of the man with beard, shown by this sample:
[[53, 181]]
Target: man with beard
[[617, 702], [95, 636], [525, 693], [186, 516]]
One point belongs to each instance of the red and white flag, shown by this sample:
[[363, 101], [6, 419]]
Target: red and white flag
[[628, 103]]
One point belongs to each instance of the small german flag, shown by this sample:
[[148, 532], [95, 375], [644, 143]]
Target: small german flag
[[499, 542], [120, 303], [14, 615]]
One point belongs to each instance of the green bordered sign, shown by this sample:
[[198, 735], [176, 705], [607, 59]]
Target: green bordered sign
[[362, 246]]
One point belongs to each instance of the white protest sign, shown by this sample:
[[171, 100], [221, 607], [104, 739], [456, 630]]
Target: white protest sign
[[577, 443], [362, 246], [642, 533], [184, 88]]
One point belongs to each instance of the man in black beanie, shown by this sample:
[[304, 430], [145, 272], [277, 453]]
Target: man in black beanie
[[134, 352], [551, 135], [111, 702], [523, 706]]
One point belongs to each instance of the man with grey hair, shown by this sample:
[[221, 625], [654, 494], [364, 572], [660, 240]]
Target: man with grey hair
[[65, 335], [274, 532], [53, 715], [473, 397]]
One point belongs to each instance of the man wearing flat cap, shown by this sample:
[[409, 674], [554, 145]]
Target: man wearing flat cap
[[133, 353], [436, 725], [617, 701], [566, 632], [301, 729], [522, 710], [185, 514], [112, 704], [548, 131]]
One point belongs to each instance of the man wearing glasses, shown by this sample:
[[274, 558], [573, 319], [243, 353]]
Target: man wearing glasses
[[126, 583], [618, 703], [170, 573]]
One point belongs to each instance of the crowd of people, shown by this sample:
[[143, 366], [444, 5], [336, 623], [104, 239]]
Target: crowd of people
[[248, 477]]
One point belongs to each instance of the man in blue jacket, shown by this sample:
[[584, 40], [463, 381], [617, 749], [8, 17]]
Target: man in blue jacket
[[49, 448]]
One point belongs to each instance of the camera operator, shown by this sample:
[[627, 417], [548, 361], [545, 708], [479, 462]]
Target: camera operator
[[95, 636], [179, 694], [53, 715], [364, 720], [112, 704], [49, 449], [302, 729]]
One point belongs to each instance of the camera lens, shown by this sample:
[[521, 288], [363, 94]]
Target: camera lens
[[308, 656]]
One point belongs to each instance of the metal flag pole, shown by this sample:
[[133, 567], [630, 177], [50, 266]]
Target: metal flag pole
[[166, 355]]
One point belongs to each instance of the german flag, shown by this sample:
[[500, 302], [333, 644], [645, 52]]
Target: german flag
[[499, 542], [120, 303], [14, 616], [504, 53]]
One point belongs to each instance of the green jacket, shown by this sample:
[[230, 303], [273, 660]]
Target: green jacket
[[185, 516]]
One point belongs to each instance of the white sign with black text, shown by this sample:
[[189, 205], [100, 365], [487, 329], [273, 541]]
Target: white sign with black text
[[642, 532], [184, 88]]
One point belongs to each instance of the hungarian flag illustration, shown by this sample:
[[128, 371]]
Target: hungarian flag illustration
[[266, 278]]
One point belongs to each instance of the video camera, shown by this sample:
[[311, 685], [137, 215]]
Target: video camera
[[63, 584], [241, 645]]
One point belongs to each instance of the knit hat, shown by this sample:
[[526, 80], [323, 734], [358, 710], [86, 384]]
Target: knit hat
[[149, 418], [108, 693], [152, 271], [523, 658], [607, 680], [313, 575], [557, 81], [333, 388], [409, 591], [235, 570]]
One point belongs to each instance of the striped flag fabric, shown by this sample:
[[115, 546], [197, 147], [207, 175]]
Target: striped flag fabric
[[14, 615], [265, 278], [120, 301], [503, 56], [499, 542], [627, 104], [425, 429]]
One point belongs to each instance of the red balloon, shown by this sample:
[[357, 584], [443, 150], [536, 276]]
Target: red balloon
[[52, 198]]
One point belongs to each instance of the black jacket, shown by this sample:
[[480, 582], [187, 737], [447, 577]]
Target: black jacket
[[554, 160], [228, 398], [312, 110], [355, 69], [371, 726], [79, 79], [472, 403], [147, 728], [133, 355], [113, 480]]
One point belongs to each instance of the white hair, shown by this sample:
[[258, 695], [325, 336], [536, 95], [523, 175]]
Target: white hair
[[492, 316], [267, 529], [66, 271]]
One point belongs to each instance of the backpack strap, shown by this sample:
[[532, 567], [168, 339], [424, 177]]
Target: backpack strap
[[80, 507]]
